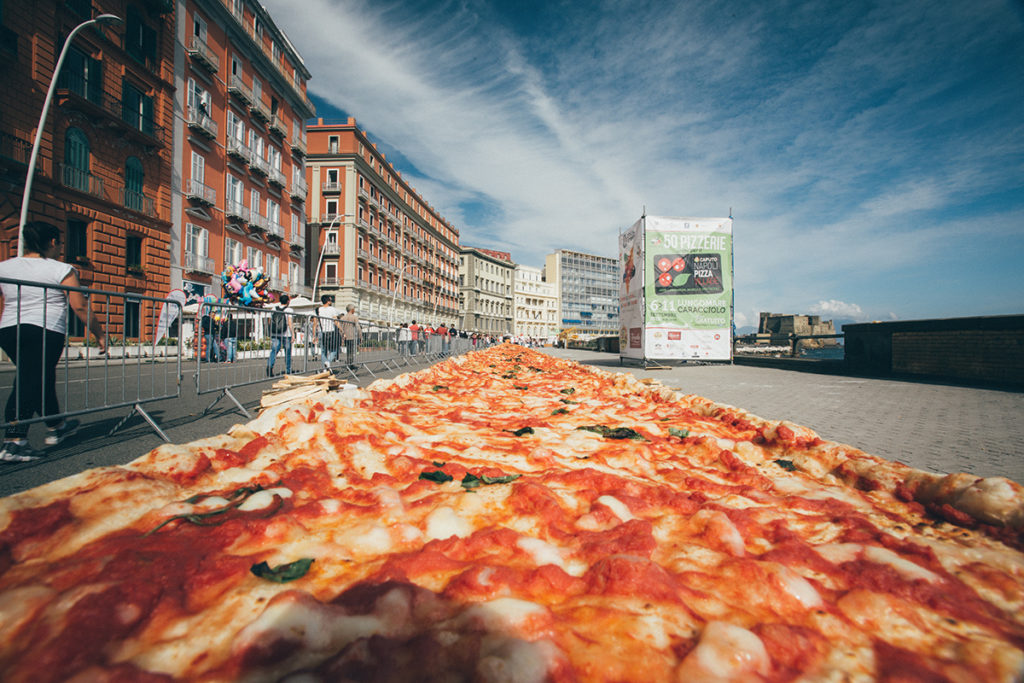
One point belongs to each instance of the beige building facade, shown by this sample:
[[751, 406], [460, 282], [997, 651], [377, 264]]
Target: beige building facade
[[486, 280], [536, 304]]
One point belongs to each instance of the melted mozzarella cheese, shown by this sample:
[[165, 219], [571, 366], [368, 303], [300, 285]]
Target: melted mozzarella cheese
[[542, 552], [798, 587], [444, 523], [909, 570], [620, 509], [264, 499], [504, 614], [367, 461], [726, 652]]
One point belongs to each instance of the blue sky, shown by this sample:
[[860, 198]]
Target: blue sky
[[872, 154]]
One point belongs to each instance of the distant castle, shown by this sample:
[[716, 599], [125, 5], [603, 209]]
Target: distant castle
[[776, 328]]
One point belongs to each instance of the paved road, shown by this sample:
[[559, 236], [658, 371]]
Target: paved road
[[929, 426]]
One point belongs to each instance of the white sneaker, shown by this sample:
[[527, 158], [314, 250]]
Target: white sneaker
[[17, 451], [57, 434]]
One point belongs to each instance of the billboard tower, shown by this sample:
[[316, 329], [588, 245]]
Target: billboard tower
[[676, 297]]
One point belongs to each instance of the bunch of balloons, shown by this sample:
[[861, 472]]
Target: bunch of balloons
[[246, 286]]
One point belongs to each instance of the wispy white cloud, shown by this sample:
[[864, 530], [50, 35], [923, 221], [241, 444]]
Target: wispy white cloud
[[851, 143], [839, 309]]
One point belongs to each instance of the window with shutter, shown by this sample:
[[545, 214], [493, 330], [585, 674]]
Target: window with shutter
[[76, 159]]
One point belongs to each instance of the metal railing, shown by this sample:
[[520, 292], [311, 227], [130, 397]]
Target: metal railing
[[201, 52], [55, 377], [195, 189], [81, 180], [137, 201], [201, 122], [197, 263]]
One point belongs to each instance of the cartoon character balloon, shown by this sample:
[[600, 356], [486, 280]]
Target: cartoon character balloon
[[245, 285]]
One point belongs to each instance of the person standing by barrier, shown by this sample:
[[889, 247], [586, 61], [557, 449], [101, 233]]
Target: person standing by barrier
[[442, 332], [404, 337], [281, 334], [329, 330], [210, 351], [414, 338], [350, 334], [33, 330], [229, 333]]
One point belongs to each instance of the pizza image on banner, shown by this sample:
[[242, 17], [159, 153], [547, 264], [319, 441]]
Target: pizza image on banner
[[509, 516]]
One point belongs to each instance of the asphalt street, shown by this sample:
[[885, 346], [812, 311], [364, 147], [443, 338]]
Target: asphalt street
[[935, 427]]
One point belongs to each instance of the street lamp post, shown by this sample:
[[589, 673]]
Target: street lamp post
[[100, 20], [323, 250], [398, 288]]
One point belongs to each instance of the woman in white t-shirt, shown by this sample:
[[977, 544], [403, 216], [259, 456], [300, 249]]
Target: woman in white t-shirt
[[33, 329]]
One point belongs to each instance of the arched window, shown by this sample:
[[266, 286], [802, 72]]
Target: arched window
[[133, 178], [76, 160]]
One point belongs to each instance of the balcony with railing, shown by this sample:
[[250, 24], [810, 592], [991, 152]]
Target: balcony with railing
[[201, 122], [277, 126], [296, 240], [258, 221], [276, 177], [201, 54], [83, 181], [239, 89], [198, 263], [15, 149], [259, 109], [257, 164], [329, 281], [330, 186], [137, 201], [332, 249], [199, 192], [275, 229], [77, 91], [298, 144], [236, 210], [238, 149], [299, 189]]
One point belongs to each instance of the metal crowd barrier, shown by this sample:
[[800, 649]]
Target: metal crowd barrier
[[235, 346], [231, 346], [141, 364]]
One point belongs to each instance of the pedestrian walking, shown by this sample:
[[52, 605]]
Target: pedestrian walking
[[281, 335], [350, 334], [33, 331], [329, 330]]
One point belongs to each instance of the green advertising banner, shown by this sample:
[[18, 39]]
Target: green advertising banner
[[688, 288]]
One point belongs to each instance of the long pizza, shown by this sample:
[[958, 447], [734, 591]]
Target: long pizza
[[508, 516]]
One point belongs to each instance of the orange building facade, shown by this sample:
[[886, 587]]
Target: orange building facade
[[378, 244], [241, 94], [104, 170]]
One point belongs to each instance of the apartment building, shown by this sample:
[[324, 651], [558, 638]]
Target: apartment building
[[240, 135], [105, 165], [536, 304], [486, 279], [378, 244], [588, 292]]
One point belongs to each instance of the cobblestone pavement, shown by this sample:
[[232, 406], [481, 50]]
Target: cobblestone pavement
[[933, 427]]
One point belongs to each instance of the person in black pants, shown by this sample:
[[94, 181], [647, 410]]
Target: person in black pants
[[33, 329]]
